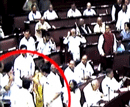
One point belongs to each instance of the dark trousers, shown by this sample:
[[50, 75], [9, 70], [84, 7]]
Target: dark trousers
[[106, 62]]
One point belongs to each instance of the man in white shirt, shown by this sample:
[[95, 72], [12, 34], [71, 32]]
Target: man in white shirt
[[34, 14], [73, 12], [107, 45], [89, 11], [54, 81], [83, 70], [1, 33], [41, 26], [110, 84], [74, 42], [28, 41], [100, 26], [92, 94], [69, 71], [24, 67], [122, 18], [50, 14], [50, 92], [115, 10], [46, 45]]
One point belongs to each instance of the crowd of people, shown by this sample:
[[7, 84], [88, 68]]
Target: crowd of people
[[26, 84]]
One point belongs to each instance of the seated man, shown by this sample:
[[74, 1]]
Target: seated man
[[83, 28], [89, 11], [46, 45], [111, 84], [100, 26], [83, 70], [125, 34], [34, 14], [40, 28], [120, 47], [73, 12], [92, 94], [69, 71], [74, 42], [28, 40], [50, 14]]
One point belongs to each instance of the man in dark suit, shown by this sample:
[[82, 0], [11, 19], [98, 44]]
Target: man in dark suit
[[83, 28]]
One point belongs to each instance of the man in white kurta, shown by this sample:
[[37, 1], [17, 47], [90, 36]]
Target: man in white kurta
[[122, 18], [50, 14], [73, 12], [100, 26], [41, 25], [24, 67], [28, 41], [46, 46], [69, 71], [83, 70], [54, 81], [89, 11], [34, 14], [92, 93], [74, 42], [51, 89], [111, 84]]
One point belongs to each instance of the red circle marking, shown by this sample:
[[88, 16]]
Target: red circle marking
[[4, 56]]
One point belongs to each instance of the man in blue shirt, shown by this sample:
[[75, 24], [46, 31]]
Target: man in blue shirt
[[125, 34]]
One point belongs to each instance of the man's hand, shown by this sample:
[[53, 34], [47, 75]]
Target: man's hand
[[68, 34], [103, 54]]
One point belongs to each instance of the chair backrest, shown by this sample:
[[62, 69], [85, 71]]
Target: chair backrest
[[8, 43], [19, 22]]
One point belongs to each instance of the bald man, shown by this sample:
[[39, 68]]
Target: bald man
[[89, 11], [50, 14], [39, 27], [69, 71], [83, 28], [92, 94], [74, 42], [83, 70], [100, 26]]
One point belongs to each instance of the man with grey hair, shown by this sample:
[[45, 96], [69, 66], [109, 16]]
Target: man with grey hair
[[74, 42], [89, 11], [92, 94], [100, 26], [83, 28]]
